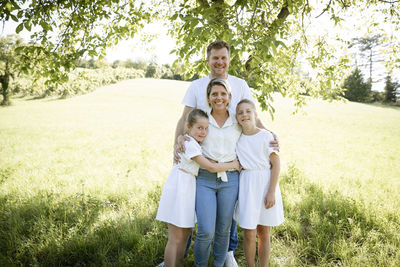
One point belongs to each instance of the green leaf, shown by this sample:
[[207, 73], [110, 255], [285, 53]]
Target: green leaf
[[28, 25], [14, 18], [19, 28], [8, 6]]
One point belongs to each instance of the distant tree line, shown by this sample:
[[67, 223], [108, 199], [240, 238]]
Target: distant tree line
[[88, 74], [151, 69], [359, 90]]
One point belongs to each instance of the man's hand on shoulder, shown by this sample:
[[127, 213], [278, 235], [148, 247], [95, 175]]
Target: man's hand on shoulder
[[179, 147], [274, 143]]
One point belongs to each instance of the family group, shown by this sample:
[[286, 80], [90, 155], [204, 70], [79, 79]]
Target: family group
[[226, 169]]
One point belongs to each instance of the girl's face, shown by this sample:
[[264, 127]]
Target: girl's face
[[199, 130], [219, 97], [246, 115]]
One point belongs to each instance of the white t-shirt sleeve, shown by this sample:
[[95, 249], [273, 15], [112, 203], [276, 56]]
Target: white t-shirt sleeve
[[190, 97], [246, 91], [269, 150], [192, 149]]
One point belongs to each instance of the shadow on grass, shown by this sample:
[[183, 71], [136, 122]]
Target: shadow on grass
[[328, 228], [322, 228], [79, 231]]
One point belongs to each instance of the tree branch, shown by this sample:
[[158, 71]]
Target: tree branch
[[63, 35], [325, 9], [272, 29], [252, 17]]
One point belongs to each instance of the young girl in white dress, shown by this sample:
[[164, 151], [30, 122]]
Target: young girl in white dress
[[177, 203], [260, 202]]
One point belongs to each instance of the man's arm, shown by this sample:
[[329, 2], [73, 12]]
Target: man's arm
[[259, 124], [179, 131], [275, 142]]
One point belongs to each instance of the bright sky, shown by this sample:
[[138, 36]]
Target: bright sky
[[157, 49]]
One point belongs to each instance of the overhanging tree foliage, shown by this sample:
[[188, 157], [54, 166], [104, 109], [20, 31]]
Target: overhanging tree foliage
[[64, 31], [269, 41], [270, 45]]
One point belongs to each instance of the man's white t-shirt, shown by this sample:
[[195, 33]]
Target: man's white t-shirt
[[196, 94]]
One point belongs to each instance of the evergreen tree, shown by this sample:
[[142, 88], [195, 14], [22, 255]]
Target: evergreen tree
[[356, 88], [390, 90]]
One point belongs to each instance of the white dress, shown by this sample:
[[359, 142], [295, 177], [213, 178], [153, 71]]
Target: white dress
[[253, 152], [177, 203]]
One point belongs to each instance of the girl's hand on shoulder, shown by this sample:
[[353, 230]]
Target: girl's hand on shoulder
[[237, 167], [269, 200]]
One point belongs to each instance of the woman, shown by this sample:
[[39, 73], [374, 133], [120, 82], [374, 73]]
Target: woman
[[216, 193]]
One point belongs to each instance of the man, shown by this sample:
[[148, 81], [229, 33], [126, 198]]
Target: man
[[218, 58]]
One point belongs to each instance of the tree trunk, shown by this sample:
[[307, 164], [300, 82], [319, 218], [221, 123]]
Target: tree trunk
[[370, 65], [5, 80]]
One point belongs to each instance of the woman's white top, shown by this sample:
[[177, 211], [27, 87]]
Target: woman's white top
[[192, 149], [220, 143]]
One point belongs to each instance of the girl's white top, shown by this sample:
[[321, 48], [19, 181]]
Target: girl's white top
[[192, 149], [251, 159], [220, 143]]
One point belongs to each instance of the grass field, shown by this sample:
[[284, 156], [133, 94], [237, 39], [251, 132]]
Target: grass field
[[80, 179]]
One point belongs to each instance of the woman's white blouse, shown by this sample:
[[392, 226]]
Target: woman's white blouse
[[220, 143]]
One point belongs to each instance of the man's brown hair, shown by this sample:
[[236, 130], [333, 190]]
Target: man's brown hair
[[217, 45]]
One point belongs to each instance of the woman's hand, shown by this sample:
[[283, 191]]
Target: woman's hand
[[269, 200], [179, 147]]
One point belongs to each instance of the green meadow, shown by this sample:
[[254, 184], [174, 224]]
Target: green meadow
[[80, 179]]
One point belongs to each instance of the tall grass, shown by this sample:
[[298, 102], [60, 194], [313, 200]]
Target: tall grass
[[80, 179]]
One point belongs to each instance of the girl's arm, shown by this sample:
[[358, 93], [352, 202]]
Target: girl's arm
[[269, 200], [216, 167]]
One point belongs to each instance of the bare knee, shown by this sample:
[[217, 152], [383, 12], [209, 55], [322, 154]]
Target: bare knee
[[263, 232], [250, 235], [177, 235]]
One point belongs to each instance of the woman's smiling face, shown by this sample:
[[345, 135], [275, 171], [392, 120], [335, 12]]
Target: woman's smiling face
[[219, 97]]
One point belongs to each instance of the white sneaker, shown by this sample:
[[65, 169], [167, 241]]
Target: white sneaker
[[230, 260], [161, 264]]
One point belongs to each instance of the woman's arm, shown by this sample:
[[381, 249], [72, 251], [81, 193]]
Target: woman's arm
[[275, 169], [216, 167]]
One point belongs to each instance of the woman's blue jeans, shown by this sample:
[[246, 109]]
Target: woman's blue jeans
[[215, 203]]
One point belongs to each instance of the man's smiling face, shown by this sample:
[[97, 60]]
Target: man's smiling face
[[219, 63]]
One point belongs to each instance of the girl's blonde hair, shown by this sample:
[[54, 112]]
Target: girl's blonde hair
[[247, 101]]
